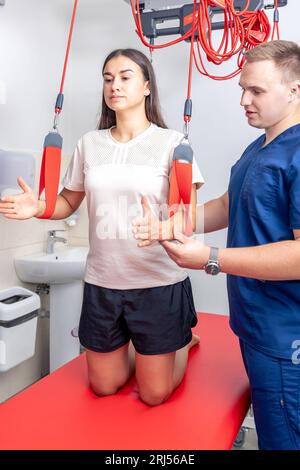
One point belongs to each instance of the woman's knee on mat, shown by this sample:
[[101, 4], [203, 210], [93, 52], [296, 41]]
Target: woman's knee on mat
[[105, 387], [154, 396]]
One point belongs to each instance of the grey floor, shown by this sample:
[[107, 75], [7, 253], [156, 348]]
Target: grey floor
[[250, 442]]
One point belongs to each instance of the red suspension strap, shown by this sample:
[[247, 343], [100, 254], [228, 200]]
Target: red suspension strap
[[243, 30], [182, 163], [50, 168]]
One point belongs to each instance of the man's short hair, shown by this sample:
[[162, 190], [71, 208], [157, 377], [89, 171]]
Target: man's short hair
[[285, 55]]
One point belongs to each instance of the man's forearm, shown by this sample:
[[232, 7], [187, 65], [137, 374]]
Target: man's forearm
[[274, 262], [211, 216]]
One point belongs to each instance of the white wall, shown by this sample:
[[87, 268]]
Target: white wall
[[33, 36]]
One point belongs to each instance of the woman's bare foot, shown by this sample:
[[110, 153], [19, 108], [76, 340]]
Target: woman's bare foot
[[195, 340]]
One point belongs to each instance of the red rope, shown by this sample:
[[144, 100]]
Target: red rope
[[192, 51], [57, 110]]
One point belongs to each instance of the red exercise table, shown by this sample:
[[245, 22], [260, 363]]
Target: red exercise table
[[206, 411]]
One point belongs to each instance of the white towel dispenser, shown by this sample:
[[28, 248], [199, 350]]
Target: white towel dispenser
[[12, 165]]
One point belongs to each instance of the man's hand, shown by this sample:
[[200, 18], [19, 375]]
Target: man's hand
[[148, 228], [191, 254]]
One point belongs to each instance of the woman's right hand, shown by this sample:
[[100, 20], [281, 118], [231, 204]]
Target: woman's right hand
[[22, 206]]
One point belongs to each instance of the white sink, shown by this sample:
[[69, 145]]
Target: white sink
[[67, 264], [64, 271]]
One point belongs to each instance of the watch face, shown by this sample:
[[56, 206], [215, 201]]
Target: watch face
[[215, 270], [212, 268]]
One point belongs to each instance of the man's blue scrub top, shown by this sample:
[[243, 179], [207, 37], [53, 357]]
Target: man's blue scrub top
[[264, 207]]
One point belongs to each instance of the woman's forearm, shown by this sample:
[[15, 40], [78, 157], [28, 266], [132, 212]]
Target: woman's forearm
[[183, 221], [65, 205]]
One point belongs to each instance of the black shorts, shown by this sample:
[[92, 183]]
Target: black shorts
[[158, 320]]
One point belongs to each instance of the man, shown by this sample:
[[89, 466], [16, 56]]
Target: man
[[262, 258]]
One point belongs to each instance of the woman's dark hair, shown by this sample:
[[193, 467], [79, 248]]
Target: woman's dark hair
[[152, 106]]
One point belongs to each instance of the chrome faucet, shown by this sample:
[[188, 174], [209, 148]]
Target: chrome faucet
[[52, 239]]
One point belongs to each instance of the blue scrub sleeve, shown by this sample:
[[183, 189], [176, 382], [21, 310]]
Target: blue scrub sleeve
[[294, 193]]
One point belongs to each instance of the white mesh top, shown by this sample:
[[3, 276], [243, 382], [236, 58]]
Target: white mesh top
[[114, 176]]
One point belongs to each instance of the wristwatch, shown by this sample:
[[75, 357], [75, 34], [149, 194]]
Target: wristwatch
[[212, 266]]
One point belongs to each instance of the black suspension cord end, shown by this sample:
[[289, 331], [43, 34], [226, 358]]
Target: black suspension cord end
[[151, 49], [59, 102], [276, 16], [188, 109]]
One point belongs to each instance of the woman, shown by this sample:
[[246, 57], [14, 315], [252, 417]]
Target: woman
[[129, 294]]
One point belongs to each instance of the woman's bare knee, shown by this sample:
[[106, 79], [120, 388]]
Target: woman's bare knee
[[155, 397], [104, 389], [108, 372]]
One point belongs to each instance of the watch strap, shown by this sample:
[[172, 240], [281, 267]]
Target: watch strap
[[214, 252]]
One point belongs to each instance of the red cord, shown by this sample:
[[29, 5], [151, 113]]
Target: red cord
[[192, 51], [57, 110]]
